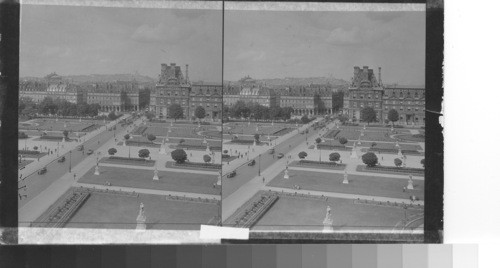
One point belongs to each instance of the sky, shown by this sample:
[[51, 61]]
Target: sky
[[278, 44], [103, 40]]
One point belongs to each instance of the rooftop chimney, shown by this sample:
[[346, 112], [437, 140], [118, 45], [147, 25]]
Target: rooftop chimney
[[380, 76], [187, 73]]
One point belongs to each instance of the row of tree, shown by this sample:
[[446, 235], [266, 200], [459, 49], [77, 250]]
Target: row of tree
[[369, 115], [27, 107], [256, 111]]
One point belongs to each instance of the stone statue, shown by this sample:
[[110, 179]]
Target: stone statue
[[141, 209]]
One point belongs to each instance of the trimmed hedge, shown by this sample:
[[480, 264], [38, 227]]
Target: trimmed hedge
[[332, 147], [28, 152], [46, 137], [419, 171], [198, 147], [196, 165], [322, 164]]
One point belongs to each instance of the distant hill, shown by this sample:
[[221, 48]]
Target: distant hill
[[101, 78], [109, 78], [298, 81]]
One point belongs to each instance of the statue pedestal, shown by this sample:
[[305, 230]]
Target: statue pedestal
[[345, 181], [162, 149], [286, 175], [219, 180], [96, 172], [400, 154], [141, 223], [328, 225], [354, 154], [208, 149], [410, 185], [254, 143], [155, 177]]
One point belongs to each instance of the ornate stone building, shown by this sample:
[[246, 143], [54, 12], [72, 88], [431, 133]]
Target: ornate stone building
[[209, 97], [366, 90], [171, 88], [311, 100], [248, 90], [52, 86]]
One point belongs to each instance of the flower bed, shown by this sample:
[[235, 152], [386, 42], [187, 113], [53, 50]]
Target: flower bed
[[245, 142], [333, 147], [395, 170], [191, 165], [128, 161], [394, 151], [198, 147], [282, 131], [47, 137], [143, 144], [329, 165], [139, 130]]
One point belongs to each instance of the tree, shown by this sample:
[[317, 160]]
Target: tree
[[112, 116], [93, 109], [127, 136], [149, 115], [200, 112], [22, 135], [151, 137], [342, 140], [302, 155], [179, 156], [143, 153], [398, 162], [181, 141], [337, 101], [65, 134], [286, 113], [374, 144], [334, 157], [35, 148], [393, 116], [422, 162], [207, 158], [112, 151], [175, 111], [368, 115], [318, 140], [256, 137], [304, 119], [370, 159], [343, 119]]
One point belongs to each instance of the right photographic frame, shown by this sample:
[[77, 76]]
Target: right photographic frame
[[324, 121]]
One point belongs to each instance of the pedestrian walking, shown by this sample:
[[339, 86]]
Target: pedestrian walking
[[263, 180]]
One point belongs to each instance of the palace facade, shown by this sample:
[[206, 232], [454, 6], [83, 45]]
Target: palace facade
[[366, 90], [174, 88]]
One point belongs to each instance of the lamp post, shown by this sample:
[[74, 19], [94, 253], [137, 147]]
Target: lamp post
[[259, 164], [70, 161]]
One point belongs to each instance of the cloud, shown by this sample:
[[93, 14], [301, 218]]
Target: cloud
[[251, 55], [161, 33], [356, 36]]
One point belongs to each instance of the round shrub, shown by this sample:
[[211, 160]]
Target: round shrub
[[179, 156], [370, 159]]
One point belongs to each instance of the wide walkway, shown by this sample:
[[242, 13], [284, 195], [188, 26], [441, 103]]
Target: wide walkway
[[42, 201]]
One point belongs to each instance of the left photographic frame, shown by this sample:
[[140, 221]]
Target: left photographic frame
[[119, 117]]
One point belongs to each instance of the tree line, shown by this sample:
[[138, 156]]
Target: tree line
[[256, 111], [48, 106]]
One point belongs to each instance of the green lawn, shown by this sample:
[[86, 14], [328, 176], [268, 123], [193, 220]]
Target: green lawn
[[290, 213], [360, 185], [140, 178], [120, 212]]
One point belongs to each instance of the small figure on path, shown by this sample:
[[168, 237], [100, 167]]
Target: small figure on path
[[263, 180]]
